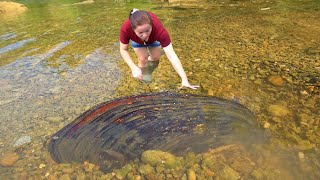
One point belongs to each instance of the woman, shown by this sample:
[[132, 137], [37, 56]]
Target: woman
[[147, 34]]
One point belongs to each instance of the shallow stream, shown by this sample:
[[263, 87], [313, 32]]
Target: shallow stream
[[60, 58]]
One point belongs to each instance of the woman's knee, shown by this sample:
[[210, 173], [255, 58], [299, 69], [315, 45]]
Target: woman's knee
[[155, 57], [142, 61]]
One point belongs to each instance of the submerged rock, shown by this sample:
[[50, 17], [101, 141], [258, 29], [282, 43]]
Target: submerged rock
[[10, 8], [115, 132], [9, 159], [278, 110], [155, 157], [22, 141], [276, 80]]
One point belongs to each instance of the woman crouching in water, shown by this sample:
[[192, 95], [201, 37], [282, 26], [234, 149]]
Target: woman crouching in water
[[148, 34]]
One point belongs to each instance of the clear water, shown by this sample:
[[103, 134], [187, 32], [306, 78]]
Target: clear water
[[59, 59]]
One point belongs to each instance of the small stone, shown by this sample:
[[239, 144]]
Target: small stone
[[229, 173], [276, 119], [191, 175], [276, 80], [301, 155], [155, 157], [65, 177], [304, 92], [258, 82], [266, 125], [210, 92], [88, 166], [67, 170], [252, 77], [23, 176], [145, 169], [22, 140], [278, 110], [42, 166], [9, 159], [122, 173]]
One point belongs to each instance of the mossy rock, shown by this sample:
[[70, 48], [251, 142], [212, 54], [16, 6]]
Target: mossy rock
[[228, 173], [122, 173], [154, 157], [146, 169], [278, 110]]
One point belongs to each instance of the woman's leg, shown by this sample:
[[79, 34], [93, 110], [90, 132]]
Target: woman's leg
[[142, 54], [155, 53]]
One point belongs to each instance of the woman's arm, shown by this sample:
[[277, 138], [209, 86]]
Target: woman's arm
[[136, 71], [176, 63]]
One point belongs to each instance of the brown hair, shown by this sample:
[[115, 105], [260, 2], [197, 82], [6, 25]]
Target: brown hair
[[139, 17]]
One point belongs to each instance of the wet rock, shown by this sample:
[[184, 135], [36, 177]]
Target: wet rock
[[252, 77], [52, 177], [23, 176], [82, 176], [68, 170], [276, 80], [65, 177], [305, 145], [122, 173], [301, 155], [191, 175], [155, 157], [258, 81], [22, 141], [276, 119], [12, 8], [278, 110], [88, 167], [257, 174], [42, 166], [146, 169], [210, 92], [229, 173], [305, 119], [9, 159], [159, 168], [266, 125]]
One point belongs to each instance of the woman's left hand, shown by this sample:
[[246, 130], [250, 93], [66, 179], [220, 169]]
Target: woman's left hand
[[188, 85]]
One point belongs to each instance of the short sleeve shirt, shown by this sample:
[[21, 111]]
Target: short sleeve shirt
[[158, 33]]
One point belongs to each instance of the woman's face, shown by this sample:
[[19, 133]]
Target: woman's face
[[143, 31]]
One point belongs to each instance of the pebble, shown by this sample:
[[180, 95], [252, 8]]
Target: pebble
[[9, 159], [266, 125], [22, 140], [210, 92], [278, 110], [276, 119], [42, 166], [301, 155], [276, 80], [191, 175]]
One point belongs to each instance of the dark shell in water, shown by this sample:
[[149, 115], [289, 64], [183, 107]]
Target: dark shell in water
[[115, 132]]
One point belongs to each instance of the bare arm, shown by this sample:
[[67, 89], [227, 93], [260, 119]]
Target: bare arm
[[176, 63], [136, 71]]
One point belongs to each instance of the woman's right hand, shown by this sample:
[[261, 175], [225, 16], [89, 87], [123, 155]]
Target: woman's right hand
[[137, 73]]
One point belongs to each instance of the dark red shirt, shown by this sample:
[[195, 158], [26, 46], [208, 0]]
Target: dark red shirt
[[158, 33]]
